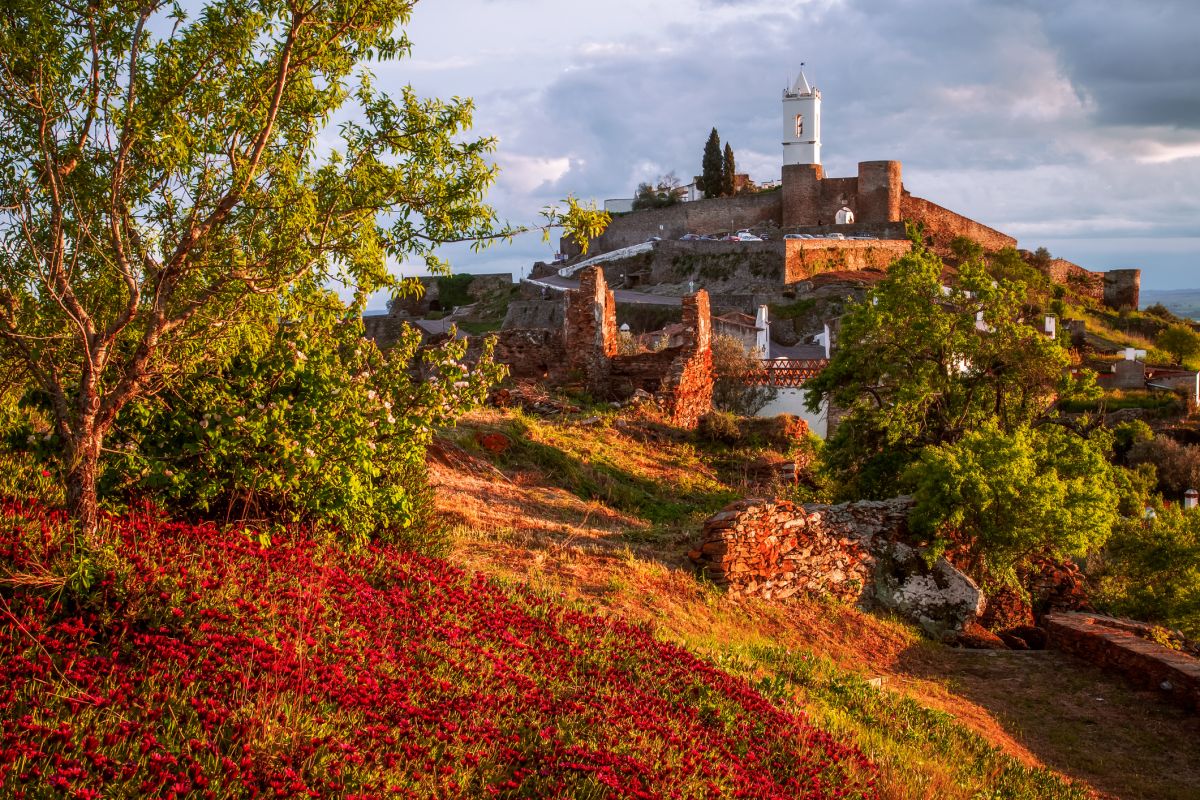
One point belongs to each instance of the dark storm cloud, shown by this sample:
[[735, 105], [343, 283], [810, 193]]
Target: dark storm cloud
[[1139, 63]]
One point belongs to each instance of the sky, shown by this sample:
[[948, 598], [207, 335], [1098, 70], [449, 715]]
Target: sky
[[1073, 125]]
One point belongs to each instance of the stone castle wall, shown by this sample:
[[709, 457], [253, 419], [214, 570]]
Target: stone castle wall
[[943, 225], [716, 215], [1116, 289], [878, 191], [805, 258]]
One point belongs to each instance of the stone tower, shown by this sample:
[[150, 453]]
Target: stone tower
[[801, 123]]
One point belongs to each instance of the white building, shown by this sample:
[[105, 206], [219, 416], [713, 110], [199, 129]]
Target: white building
[[801, 123]]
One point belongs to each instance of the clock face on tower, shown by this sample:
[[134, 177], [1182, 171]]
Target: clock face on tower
[[799, 125]]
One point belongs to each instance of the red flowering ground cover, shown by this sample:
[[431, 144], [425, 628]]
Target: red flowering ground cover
[[206, 665]]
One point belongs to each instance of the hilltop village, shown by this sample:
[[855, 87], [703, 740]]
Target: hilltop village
[[772, 268]]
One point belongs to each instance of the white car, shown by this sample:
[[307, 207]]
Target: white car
[[746, 236]]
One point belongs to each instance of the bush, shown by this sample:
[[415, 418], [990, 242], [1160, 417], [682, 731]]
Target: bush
[[720, 426], [318, 426], [1177, 465]]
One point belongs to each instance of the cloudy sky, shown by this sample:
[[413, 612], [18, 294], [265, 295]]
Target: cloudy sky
[[1073, 125]]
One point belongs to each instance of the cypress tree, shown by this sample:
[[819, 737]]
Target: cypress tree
[[728, 168], [710, 167]]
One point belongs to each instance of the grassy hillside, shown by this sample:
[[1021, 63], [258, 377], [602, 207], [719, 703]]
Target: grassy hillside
[[559, 510]]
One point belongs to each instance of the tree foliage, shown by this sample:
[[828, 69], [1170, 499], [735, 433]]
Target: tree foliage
[[728, 172], [1150, 570], [710, 166], [162, 188], [1013, 494], [1180, 340], [918, 364]]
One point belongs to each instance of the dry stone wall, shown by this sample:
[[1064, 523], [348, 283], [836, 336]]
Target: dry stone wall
[[853, 551]]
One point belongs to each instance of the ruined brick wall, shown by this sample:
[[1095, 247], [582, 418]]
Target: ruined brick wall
[[805, 258], [590, 330], [1120, 646], [716, 215], [688, 385], [774, 549], [943, 225], [878, 190], [537, 353]]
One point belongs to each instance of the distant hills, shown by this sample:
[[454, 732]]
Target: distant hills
[[1183, 302]]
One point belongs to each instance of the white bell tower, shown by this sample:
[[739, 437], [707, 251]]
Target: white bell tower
[[801, 123]]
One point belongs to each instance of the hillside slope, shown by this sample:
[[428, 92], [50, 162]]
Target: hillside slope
[[204, 664], [604, 513]]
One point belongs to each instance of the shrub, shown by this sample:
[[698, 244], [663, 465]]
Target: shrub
[[1150, 570], [720, 426], [1180, 341], [317, 426], [1011, 496], [1177, 465]]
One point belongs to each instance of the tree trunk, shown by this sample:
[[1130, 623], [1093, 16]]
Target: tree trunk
[[82, 468]]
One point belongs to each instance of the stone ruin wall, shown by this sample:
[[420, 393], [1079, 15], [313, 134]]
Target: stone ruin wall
[[590, 331], [805, 258], [1116, 289], [775, 549], [680, 377]]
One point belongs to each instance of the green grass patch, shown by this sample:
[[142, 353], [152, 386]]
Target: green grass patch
[[919, 750]]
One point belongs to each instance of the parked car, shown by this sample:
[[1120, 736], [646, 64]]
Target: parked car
[[654, 239], [796, 236], [690, 237], [746, 236]]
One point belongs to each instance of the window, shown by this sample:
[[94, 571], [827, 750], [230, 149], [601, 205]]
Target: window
[[799, 125]]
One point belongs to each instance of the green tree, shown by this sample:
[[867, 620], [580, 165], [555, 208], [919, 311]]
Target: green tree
[[919, 364], [728, 172], [1009, 495], [710, 166], [161, 188], [1180, 341]]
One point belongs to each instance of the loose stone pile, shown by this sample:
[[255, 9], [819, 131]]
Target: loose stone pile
[[774, 549]]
